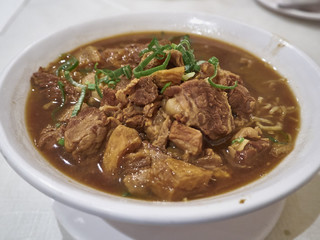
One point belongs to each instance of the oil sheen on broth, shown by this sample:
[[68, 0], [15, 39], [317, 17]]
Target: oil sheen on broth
[[191, 130]]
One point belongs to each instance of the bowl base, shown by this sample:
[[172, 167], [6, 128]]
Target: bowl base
[[82, 226]]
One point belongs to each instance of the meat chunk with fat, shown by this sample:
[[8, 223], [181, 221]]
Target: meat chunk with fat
[[85, 132], [197, 104], [123, 140], [186, 138]]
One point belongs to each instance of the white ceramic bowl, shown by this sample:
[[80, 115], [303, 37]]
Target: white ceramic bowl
[[292, 173]]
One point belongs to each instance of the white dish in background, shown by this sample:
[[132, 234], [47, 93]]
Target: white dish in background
[[274, 5], [252, 226], [303, 75]]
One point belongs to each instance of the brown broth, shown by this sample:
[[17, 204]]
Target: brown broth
[[231, 58]]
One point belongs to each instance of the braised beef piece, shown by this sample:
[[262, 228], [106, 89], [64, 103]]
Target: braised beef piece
[[109, 97], [142, 91], [85, 132], [50, 136], [239, 98], [157, 129], [212, 161], [186, 138], [119, 57], [48, 84], [247, 146], [88, 56], [197, 104]]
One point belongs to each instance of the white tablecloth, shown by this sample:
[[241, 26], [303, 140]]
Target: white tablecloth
[[25, 213]]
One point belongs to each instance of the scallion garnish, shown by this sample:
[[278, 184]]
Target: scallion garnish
[[91, 86], [111, 78], [272, 139], [61, 141], [215, 62], [237, 140], [165, 87], [78, 105], [73, 82], [139, 72], [187, 76], [222, 86], [70, 64]]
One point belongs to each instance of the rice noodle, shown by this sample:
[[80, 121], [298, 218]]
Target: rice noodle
[[276, 127], [259, 119]]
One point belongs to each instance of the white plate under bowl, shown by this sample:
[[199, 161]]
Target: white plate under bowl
[[294, 171]]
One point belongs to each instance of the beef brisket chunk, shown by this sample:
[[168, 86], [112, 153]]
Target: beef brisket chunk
[[199, 105], [85, 132], [186, 138], [246, 147]]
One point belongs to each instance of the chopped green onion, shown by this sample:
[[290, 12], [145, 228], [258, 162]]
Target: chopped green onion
[[78, 105], [222, 86], [139, 72], [126, 194], [165, 87], [111, 78], [272, 139], [215, 62], [68, 65], [91, 86], [237, 140], [187, 76], [70, 79], [154, 46], [61, 141]]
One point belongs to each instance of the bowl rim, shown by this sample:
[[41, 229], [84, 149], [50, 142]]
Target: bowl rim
[[149, 212]]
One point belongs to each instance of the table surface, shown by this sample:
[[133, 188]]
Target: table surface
[[25, 213]]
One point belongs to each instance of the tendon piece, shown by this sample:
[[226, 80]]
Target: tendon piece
[[197, 104], [123, 140], [137, 183], [172, 76], [85, 133], [186, 138], [174, 180]]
